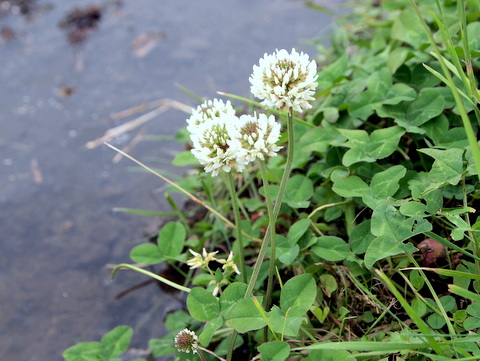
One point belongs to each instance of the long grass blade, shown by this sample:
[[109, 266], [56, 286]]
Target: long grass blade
[[422, 326], [451, 245], [469, 295], [446, 272]]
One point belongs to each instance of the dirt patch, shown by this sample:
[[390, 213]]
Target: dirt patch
[[80, 22]]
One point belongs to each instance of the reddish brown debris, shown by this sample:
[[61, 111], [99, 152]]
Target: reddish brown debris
[[432, 251]]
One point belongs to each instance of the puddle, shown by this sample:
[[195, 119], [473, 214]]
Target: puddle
[[57, 227]]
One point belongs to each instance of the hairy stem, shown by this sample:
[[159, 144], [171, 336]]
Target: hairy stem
[[271, 225], [233, 196], [278, 204]]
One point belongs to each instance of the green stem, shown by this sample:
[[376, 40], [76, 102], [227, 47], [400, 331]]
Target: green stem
[[177, 210], [151, 274], [201, 354], [270, 228], [231, 345], [211, 353], [271, 225], [278, 204], [238, 229], [350, 216]]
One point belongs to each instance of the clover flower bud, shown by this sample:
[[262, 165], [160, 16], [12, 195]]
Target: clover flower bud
[[186, 341]]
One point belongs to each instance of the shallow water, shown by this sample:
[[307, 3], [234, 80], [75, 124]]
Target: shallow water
[[57, 227]]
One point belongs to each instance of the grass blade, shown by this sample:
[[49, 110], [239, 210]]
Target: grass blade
[[422, 326]]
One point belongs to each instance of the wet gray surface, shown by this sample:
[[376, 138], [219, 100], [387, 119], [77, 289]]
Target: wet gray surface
[[57, 227]]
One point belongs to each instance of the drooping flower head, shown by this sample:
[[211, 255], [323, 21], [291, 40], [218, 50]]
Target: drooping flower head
[[216, 145], [258, 136], [285, 80], [209, 110], [186, 341]]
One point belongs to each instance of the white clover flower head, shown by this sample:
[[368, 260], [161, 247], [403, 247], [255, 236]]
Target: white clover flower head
[[285, 80], [258, 136], [186, 341], [209, 110], [216, 145]]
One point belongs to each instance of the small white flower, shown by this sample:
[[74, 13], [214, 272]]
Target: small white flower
[[208, 256], [228, 263], [259, 135], [201, 260], [216, 145], [208, 110], [216, 290], [186, 341], [285, 80], [196, 261]]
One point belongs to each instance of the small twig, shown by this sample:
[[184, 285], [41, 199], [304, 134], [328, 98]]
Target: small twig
[[115, 132], [212, 353], [36, 171], [137, 109], [324, 207], [150, 105]]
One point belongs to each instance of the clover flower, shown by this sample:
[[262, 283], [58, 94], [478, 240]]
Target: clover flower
[[209, 110], [196, 261], [208, 256], [216, 145], [258, 136], [201, 260], [217, 288], [285, 80], [186, 341], [229, 264]]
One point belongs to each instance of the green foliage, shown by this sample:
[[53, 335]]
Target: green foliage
[[202, 305], [297, 295], [274, 351], [385, 180], [331, 248], [113, 344], [299, 191], [170, 243]]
